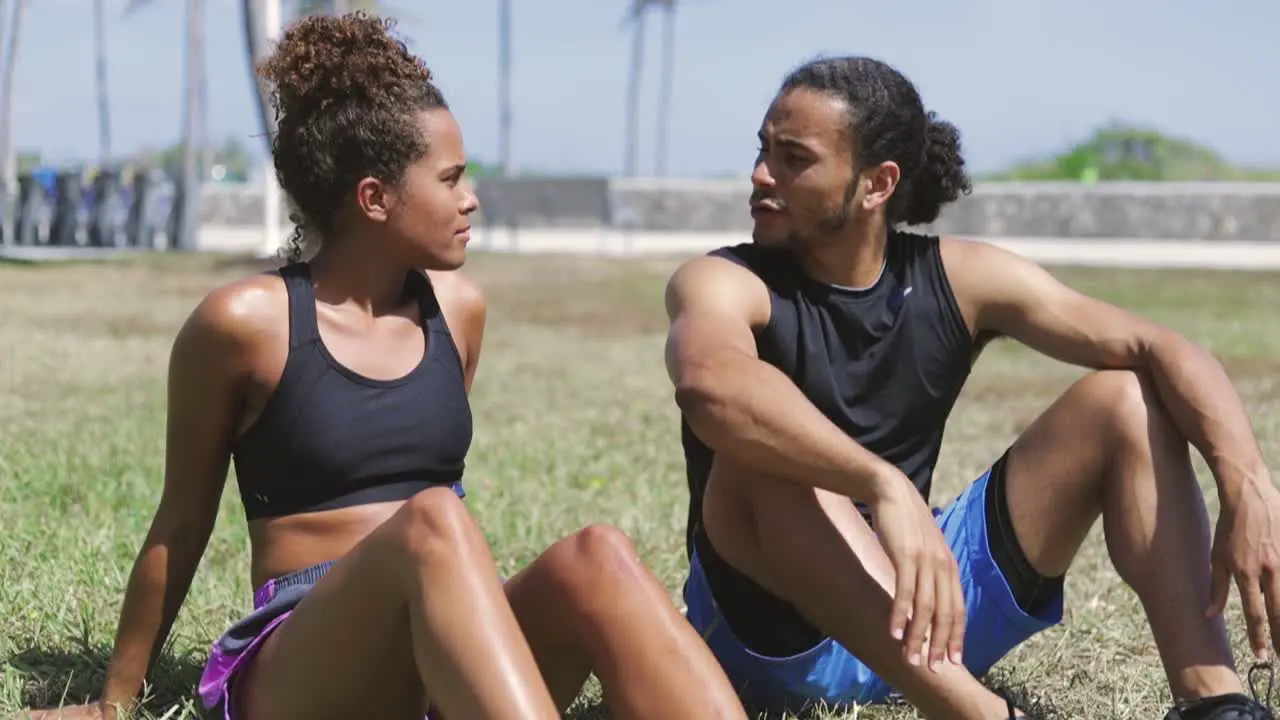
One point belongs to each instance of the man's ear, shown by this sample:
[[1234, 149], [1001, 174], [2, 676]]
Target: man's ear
[[879, 184]]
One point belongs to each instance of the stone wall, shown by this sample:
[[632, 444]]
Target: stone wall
[[1205, 211]]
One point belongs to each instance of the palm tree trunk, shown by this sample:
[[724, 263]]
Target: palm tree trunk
[[8, 196], [100, 67], [8, 177], [634, 77], [255, 41], [504, 87], [667, 87], [188, 219]]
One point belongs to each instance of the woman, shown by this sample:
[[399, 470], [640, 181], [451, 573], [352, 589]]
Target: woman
[[339, 387]]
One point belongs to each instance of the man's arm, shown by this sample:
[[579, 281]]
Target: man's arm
[[751, 412], [743, 407], [1013, 296]]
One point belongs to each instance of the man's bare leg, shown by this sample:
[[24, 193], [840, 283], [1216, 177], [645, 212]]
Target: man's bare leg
[[813, 549], [1107, 447]]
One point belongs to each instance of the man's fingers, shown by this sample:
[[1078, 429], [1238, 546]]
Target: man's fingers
[[1272, 581], [903, 599], [959, 617], [922, 613], [943, 615], [1255, 614], [1220, 590]]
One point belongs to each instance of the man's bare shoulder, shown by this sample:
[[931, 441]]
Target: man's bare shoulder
[[713, 282], [963, 250], [977, 267]]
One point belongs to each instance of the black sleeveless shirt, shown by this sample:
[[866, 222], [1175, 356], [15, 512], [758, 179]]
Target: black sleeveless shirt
[[331, 438], [884, 363]]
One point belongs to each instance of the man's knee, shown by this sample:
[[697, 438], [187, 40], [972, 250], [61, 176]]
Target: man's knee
[[746, 514], [1120, 396], [782, 532], [746, 496], [1126, 407]]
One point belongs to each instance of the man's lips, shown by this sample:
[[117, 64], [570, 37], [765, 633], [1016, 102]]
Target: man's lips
[[765, 205], [769, 203]]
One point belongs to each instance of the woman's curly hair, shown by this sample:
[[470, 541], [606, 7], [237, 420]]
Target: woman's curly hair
[[345, 92]]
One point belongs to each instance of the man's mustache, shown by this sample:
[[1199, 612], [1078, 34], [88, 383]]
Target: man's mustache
[[768, 202]]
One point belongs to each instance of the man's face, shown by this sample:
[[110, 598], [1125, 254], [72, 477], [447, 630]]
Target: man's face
[[805, 188]]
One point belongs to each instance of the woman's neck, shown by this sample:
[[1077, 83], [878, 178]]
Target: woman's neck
[[371, 281]]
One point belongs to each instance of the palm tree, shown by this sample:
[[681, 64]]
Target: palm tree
[[636, 16], [8, 181], [186, 219], [100, 72], [667, 86], [504, 87], [634, 76], [256, 47], [193, 126]]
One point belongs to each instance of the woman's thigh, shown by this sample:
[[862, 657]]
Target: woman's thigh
[[346, 650]]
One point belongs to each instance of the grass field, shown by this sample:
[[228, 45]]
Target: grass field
[[574, 424]]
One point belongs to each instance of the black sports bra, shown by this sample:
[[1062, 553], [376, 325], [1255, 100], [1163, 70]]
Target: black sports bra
[[330, 438]]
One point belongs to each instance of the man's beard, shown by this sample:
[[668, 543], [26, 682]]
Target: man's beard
[[831, 223]]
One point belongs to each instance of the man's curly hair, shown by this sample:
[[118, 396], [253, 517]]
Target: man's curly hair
[[345, 92]]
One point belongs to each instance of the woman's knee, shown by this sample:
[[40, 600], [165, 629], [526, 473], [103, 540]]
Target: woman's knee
[[597, 556], [435, 526]]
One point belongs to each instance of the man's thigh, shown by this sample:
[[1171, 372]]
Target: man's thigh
[[996, 623]]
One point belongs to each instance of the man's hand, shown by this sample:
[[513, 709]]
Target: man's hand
[[929, 600], [1246, 546]]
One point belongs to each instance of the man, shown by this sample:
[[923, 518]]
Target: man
[[819, 364]]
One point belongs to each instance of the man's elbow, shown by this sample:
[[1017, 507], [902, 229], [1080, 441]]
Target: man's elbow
[[1168, 348], [698, 389], [708, 389]]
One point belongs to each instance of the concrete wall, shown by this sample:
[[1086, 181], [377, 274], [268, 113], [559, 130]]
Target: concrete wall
[[1203, 211]]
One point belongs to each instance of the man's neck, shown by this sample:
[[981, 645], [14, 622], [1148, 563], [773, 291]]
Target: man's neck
[[853, 260]]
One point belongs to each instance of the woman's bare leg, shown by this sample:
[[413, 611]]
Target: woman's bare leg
[[589, 604], [415, 608]]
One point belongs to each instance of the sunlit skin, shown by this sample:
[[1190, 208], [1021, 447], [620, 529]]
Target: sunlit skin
[[1112, 449], [808, 195], [413, 615], [423, 222]]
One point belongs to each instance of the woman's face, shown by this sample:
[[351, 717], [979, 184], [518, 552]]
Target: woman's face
[[429, 220]]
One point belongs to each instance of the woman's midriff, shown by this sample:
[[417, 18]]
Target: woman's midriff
[[287, 544]]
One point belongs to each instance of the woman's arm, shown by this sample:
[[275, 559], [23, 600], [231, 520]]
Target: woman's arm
[[207, 367], [465, 310]]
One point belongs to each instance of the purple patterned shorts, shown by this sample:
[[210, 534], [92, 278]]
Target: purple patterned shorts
[[231, 653], [272, 604]]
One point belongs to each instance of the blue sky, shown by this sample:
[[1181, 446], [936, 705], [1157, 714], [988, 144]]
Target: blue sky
[[1019, 77]]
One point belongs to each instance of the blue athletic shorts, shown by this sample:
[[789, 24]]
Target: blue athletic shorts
[[829, 674]]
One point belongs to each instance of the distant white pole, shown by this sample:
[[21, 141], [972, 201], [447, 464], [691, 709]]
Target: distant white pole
[[272, 21]]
